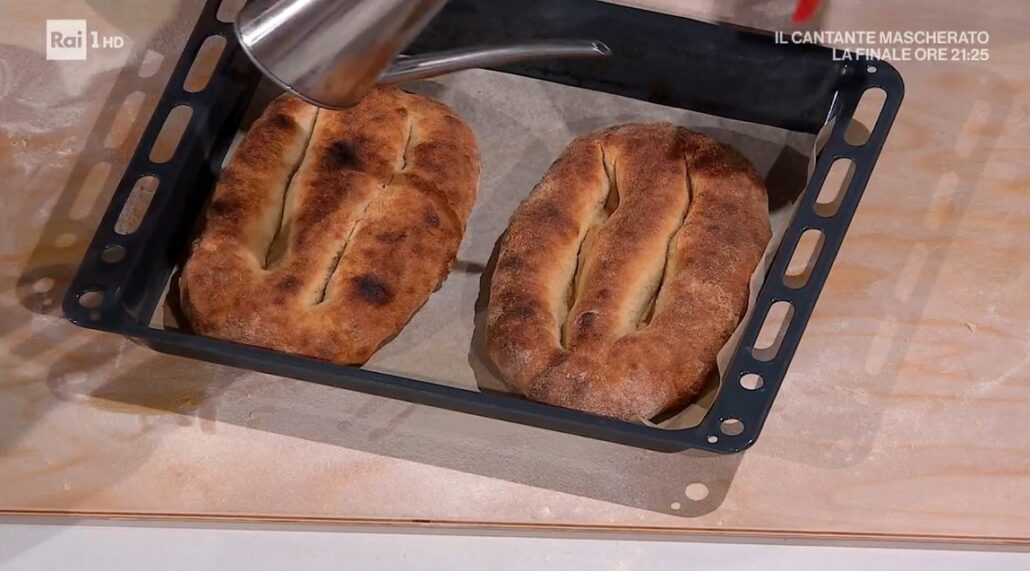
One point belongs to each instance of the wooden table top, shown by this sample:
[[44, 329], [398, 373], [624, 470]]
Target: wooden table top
[[903, 414]]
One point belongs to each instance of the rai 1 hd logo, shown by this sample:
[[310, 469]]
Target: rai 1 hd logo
[[70, 39]]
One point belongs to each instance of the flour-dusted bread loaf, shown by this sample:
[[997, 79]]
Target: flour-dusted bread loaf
[[329, 229], [626, 270]]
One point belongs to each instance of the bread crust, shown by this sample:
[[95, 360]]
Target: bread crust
[[626, 270], [329, 229]]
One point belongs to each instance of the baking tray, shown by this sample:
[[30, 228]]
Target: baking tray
[[718, 70]]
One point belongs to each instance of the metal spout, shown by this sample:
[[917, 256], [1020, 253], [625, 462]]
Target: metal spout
[[440, 63], [332, 52]]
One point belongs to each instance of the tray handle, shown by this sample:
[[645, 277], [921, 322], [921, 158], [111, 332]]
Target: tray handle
[[754, 375]]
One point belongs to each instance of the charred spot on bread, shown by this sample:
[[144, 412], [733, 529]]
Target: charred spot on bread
[[586, 320], [523, 310], [223, 207], [552, 218], [371, 289], [341, 155], [391, 236], [287, 284], [511, 262], [281, 121]]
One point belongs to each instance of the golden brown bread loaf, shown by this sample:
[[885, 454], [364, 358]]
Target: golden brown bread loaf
[[329, 229], [626, 270]]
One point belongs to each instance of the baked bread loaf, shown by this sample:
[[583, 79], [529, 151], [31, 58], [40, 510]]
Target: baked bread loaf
[[626, 270], [329, 229]]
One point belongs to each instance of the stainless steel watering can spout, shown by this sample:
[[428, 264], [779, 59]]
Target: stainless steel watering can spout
[[332, 52]]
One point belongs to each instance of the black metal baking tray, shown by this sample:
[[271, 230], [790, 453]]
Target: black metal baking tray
[[663, 59]]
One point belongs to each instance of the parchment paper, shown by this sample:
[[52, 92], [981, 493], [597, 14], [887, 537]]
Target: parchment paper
[[521, 126]]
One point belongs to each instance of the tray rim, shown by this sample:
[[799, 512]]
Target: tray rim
[[114, 317]]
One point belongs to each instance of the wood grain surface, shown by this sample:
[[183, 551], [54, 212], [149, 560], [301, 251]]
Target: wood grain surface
[[903, 414]]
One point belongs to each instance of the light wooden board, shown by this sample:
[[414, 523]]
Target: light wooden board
[[903, 414]]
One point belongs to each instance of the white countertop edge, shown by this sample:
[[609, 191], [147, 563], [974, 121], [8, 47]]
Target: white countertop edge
[[53, 543]]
